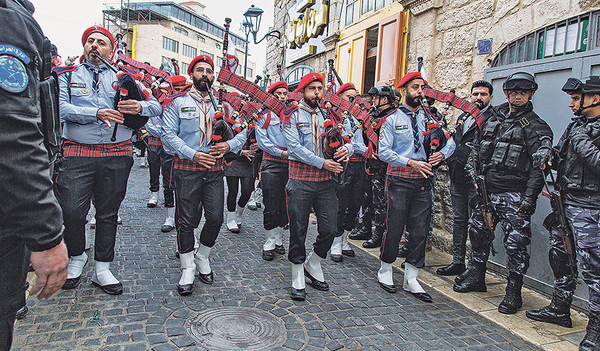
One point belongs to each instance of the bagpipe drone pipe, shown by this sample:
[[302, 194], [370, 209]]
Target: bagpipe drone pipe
[[435, 136]]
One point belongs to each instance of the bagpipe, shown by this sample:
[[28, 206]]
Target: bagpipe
[[127, 89], [436, 135]]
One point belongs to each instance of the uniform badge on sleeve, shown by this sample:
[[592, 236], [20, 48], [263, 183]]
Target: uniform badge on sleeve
[[13, 73]]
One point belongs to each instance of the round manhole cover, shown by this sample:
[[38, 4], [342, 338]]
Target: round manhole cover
[[236, 328]]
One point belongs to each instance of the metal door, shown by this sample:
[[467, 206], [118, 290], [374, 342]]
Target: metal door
[[551, 104]]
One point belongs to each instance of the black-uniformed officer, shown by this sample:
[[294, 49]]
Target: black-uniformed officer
[[30, 216], [504, 150], [577, 159]]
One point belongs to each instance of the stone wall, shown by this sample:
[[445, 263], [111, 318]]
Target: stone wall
[[445, 34]]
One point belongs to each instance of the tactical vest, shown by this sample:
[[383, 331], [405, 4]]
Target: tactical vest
[[504, 147], [580, 177]]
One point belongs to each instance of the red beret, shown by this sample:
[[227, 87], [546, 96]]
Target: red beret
[[96, 29], [201, 58], [408, 77], [307, 79], [177, 80], [275, 86], [345, 87]]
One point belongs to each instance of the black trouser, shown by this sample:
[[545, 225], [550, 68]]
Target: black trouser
[[80, 179], [232, 191], [375, 200], [273, 178], [409, 205], [194, 191], [461, 195], [158, 159], [350, 196], [14, 262], [301, 196]]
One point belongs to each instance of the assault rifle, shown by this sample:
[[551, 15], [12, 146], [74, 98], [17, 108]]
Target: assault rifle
[[558, 219], [483, 200]]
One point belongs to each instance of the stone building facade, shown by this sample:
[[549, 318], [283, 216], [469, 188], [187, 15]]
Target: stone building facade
[[445, 33]]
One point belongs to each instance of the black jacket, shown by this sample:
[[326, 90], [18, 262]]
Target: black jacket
[[504, 148], [28, 209], [578, 163], [464, 141]]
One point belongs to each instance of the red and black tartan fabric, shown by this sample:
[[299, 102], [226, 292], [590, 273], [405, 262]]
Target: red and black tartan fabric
[[404, 172], [73, 149], [234, 100], [154, 141], [189, 165], [457, 102], [297, 96], [251, 89], [269, 157], [343, 105], [356, 158], [140, 65], [302, 171]]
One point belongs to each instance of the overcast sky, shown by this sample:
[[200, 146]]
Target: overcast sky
[[63, 21]]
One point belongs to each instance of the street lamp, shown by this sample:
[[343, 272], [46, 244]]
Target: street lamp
[[247, 27], [251, 25]]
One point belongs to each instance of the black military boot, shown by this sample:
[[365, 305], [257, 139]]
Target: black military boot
[[474, 281], [375, 240], [512, 300], [364, 233], [558, 312], [591, 341]]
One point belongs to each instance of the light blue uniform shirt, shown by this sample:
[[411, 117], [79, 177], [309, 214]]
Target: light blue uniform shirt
[[299, 139], [271, 139], [78, 112], [358, 144], [153, 126], [396, 141], [180, 132]]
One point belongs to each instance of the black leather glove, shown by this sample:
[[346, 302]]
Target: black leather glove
[[543, 154], [527, 206]]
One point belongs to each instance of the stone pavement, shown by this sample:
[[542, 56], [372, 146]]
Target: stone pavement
[[248, 307]]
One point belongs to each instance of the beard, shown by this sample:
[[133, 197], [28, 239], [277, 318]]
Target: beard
[[313, 103], [201, 84], [479, 104], [413, 101]]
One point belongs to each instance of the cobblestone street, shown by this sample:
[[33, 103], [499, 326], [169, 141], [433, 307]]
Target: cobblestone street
[[355, 314]]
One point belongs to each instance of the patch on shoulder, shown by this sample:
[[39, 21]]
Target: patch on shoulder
[[13, 74]]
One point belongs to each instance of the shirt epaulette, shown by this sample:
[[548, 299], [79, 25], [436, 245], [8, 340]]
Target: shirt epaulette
[[64, 69], [287, 113]]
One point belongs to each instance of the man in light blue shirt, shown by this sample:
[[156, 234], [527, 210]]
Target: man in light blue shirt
[[401, 145], [94, 166]]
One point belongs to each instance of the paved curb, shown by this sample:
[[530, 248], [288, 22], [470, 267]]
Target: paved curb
[[545, 335]]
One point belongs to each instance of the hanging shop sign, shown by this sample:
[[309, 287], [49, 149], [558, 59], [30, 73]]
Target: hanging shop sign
[[310, 23]]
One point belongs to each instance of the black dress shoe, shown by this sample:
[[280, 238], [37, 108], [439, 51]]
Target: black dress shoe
[[166, 228], [403, 252], [336, 258], [451, 269], [349, 253], [268, 255], [111, 289], [71, 283], [319, 285], [360, 235], [206, 278], [370, 244], [186, 289], [298, 294], [279, 249], [22, 312], [425, 297], [389, 288]]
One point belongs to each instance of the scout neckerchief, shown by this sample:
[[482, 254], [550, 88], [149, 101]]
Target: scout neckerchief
[[315, 126], [205, 118]]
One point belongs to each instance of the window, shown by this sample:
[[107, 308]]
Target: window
[[561, 38], [184, 68], [367, 5], [249, 73], [207, 54], [188, 51], [170, 44], [218, 46], [351, 11], [181, 31], [200, 38]]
